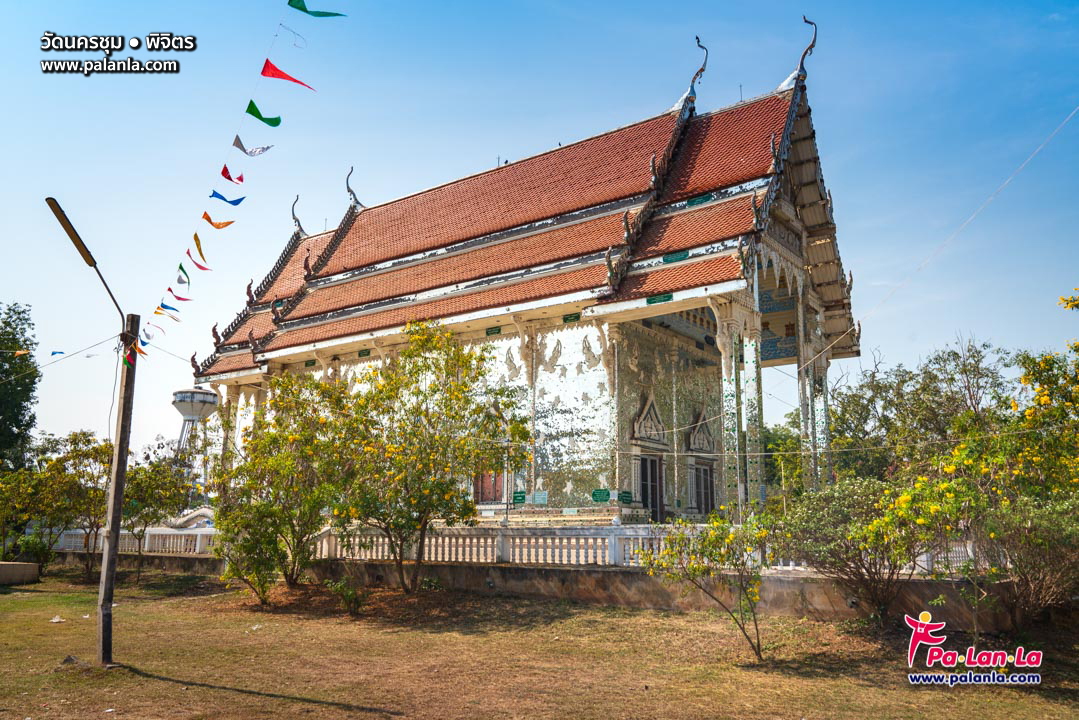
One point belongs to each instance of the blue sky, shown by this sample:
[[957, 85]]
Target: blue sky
[[921, 110]]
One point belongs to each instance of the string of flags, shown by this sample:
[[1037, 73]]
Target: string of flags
[[180, 290]]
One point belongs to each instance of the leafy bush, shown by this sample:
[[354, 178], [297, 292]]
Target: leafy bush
[[719, 553], [352, 597], [247, 542], [838, 532]]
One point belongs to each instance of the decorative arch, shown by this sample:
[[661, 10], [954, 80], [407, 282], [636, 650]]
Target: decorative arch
[[649, 428], [701, 439]]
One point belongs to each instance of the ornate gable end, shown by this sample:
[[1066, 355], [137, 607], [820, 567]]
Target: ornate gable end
[[648, 427], [700, 437]]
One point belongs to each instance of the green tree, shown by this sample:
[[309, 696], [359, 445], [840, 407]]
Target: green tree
[[247, 541], [49, 502], [419, 430], [18, 385], [15, 508], [288, 472], [157, 489], [827, 529], [83, 467], [720, 559], [889, 417]]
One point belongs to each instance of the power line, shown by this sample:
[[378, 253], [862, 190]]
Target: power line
[[66, 357]]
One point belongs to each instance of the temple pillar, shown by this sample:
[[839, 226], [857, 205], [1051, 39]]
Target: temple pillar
[[821, 431], [754, 492], [731, 469], [805, 398]]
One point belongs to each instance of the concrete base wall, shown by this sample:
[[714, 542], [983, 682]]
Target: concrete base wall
[[17, 573], [190, 564], [786, 593]]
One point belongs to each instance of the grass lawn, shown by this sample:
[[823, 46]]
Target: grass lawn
[[192, 649]]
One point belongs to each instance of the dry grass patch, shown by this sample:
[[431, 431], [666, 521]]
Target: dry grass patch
[[193, 649]]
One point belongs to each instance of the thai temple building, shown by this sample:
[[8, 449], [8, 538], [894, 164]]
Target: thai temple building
[[632, 285]]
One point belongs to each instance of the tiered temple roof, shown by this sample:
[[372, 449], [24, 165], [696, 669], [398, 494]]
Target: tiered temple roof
[[666, 205]]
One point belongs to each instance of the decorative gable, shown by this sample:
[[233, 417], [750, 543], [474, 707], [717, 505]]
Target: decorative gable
[[648, 427], [700, 437]]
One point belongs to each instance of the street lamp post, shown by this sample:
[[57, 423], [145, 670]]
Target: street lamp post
[[128, 336]]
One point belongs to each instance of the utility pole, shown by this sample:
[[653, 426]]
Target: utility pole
[[116, 495], [128, 337]]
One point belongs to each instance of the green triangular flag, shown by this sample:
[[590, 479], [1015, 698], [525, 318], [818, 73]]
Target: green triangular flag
[[253, 110], [302, 7]]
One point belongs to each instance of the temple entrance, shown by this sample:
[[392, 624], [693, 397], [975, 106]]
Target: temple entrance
[[652, 486], [487, 488]]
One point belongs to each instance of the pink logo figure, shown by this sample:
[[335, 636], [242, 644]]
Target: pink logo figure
[[922, 633]]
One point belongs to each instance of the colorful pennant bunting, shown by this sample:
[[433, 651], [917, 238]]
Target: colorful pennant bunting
[[170, 316], [183, 278], [139, 350], [302, 7], [272, 71], [56, 352], [219, 196], [239, 180], [200, 267], [181, 299], [253, 152], [21, 352], [198, 246], [218, 225], [158, 327], [253, 110], [163, 306]]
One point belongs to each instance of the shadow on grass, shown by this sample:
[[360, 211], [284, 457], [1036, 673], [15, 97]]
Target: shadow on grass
[[259, 693], [425, 611], [159, 584]]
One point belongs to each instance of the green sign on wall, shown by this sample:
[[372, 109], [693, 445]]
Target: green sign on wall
[[518, 497], [309, 363], [601, 495], [494, 331], [665, 297], [365, 353], [625, 497], [571, 318]]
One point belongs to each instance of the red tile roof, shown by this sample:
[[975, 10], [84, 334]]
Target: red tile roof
[[559, 244], [260, 322], [600, 169], [291, 279], [728, 146], [231, 363], [696, 227], [718, 150], [679, 277], [504, 295]]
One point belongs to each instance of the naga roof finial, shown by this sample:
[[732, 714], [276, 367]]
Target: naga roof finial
[[355, 200], [217, 335], [194, 364], [697, 75], [296, 220], [809, 48], [250, 295]]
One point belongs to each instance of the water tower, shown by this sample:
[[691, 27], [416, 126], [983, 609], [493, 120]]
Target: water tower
[[195, 405]]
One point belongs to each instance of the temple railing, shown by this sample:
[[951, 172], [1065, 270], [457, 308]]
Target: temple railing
[[610, 546]]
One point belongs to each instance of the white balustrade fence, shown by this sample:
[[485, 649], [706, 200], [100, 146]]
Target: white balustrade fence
[[616, 545], [187, 541]]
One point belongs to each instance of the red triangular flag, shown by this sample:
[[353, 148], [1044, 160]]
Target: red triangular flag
[[225, 174], [272, 71]]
